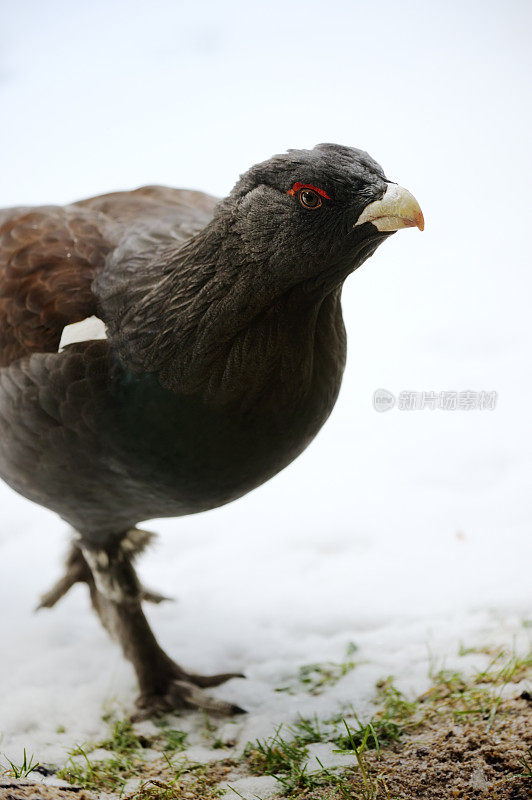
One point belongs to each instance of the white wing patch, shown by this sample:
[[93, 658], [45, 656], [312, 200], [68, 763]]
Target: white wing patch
[[84, 331]]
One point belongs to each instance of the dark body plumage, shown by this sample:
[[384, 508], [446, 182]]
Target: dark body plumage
[[224, 358]]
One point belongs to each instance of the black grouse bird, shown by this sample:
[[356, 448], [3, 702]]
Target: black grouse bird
[[163, 353]]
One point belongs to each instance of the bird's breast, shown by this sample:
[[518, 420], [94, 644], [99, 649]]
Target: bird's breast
[[200, 455]]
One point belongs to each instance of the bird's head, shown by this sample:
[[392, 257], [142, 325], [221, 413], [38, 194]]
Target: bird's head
[[313, 216]]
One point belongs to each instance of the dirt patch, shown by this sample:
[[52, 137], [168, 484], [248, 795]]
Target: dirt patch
[[447, 761], [28, 790], [464, 761]]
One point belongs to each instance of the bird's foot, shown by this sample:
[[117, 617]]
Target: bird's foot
[[116, 595], [185, 690]]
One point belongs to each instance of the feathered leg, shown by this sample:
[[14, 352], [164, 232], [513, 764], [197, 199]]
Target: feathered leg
[[116, 596], [77, 571]]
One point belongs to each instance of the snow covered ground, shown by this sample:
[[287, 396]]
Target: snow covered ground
[[405, 532]]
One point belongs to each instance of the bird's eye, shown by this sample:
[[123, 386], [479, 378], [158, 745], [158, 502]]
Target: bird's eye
[[309, 199]]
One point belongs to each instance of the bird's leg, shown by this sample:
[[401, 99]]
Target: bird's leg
[[77, 571], [116, 596]]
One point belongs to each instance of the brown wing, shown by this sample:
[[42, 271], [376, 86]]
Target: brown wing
[[48, 257]]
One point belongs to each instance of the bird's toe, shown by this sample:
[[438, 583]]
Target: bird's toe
[[154, 597], [182, 694], [204, 681]]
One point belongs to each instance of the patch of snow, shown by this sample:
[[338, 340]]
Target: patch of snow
[[263, 787], [321, 754]]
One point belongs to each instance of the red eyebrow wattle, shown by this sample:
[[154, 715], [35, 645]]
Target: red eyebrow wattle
[[297, 186]]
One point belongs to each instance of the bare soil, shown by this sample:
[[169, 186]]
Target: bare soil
[[447, 761]]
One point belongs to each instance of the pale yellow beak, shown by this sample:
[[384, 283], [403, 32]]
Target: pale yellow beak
[[397, 209]]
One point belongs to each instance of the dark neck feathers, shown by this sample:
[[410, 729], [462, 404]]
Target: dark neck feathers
[[209, 320]]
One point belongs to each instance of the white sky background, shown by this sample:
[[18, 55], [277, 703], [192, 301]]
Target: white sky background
[[101, 96]]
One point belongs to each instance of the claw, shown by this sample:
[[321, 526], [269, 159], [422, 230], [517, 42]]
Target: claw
[[154, 597], [213, 680], [195, 697]]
